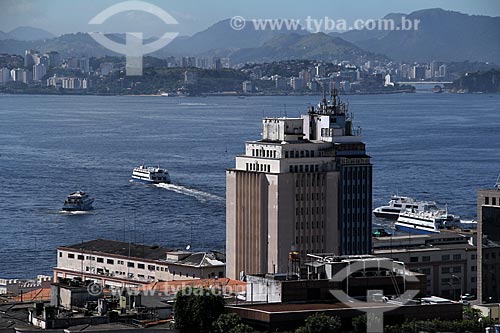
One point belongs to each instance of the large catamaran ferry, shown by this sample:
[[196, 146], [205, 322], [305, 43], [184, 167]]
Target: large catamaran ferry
[[151, 175]]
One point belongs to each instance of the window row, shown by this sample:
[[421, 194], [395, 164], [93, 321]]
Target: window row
[[264, 153], [299, 153], [258, 167], [307, 211], [309, 196], [310, 180], [304, 168], [309, 239], [314, 225]]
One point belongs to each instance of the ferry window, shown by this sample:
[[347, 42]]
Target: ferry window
[[80, 257], [494, 201], [71, 255], [426, 258], [274, 153], [110, 261], [486, 200], [413, 259], [457, 257], [100, 260], [130, 264], [141, 266], [286, 154], [291, 168], [312, 153], [151, 267], [60, 254], [445, 257]]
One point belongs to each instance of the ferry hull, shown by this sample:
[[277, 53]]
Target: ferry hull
[[414, 229], [147, 181], [76, 208]]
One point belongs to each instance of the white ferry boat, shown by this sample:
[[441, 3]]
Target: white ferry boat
[[78, 201], [399, 204], [423, 222], [151, 175]]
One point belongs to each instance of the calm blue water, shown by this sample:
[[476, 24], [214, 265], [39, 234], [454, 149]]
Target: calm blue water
[[432, 146]]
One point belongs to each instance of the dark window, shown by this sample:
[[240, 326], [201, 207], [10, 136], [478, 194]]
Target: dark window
[[413, 259], [141, 266], [426, 258], [130, 264], [80, 257], [486, 200], [110, 261], [100, 259], [60, 254], [494, 201], [71, 255]]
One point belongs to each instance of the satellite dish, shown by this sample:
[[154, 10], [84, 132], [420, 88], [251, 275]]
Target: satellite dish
[[188, 247]]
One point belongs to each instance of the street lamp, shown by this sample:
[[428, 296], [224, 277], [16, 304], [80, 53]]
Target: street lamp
[[459, 282]]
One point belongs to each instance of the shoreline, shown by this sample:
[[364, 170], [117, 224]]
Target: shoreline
[[218, 94]]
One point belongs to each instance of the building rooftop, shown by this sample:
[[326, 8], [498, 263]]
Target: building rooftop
[[140, 251], [125, 249], [171, 287]]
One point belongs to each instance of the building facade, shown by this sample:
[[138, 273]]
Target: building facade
[[447, 259], [488, 240], [304, 188], [116, 264]]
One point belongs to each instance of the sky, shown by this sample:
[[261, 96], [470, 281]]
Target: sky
[[70, 16]]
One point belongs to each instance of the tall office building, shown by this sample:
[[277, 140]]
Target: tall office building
[[305, 187], [39, 72], [488, 241]]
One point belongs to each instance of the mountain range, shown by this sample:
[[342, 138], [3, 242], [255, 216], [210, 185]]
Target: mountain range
[[442, 35], [26, 34]]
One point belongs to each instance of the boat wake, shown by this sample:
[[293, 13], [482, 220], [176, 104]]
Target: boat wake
[[200, 195], [75, 212]]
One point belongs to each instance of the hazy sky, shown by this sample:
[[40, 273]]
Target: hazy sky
[[64, 16]]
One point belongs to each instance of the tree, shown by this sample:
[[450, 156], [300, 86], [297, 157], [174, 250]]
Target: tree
[[230, 323], [359, 324], [226, 322], [196, 309], [320, 323]]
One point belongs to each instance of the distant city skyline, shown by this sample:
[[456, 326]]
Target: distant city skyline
[[64, 16]]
